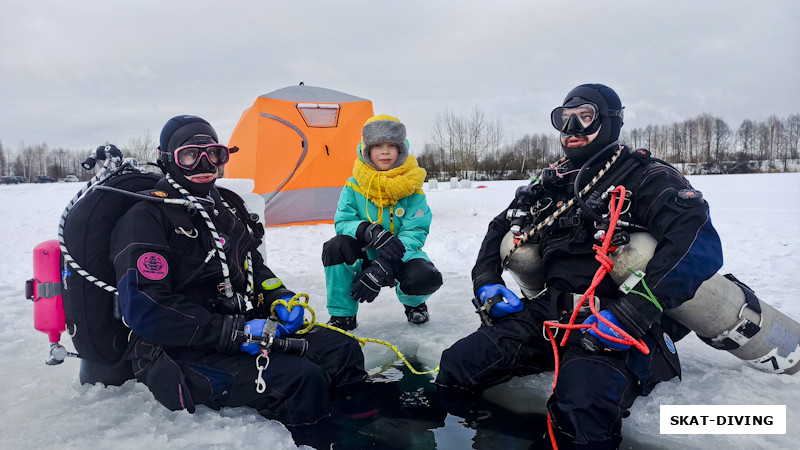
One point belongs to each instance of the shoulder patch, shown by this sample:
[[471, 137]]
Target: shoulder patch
[[160, 194], [152, 266], [641, 154]]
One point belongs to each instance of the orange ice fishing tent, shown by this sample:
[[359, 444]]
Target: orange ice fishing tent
[[298, 144]]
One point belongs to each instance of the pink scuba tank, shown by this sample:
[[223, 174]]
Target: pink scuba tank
[[45, 290]]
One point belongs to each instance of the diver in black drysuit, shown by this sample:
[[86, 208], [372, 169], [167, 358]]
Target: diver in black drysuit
[[170, 279], [599, 381]]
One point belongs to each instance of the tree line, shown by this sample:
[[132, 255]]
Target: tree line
[[38, 159], [473, 146]]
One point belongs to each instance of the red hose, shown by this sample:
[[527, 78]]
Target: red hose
[[606, 266]]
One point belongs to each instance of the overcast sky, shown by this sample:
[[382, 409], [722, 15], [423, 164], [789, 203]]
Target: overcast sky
[[77, 74]]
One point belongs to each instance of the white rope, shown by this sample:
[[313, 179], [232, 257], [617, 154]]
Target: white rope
[[227, 287], [109, 166]]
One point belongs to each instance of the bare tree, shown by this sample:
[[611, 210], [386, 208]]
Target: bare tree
[[444, 138], [764, 145], [3, 161], [704, 137], [793, 135], [32, 160], [649, 135], [143, 148], [635, 137], [775, 137], [746, 135], [722, 136], [463, 141], [57, 163], [522, 150], [494, 140]]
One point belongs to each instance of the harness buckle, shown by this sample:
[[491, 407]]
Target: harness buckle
[[739, 335], [572, 220]]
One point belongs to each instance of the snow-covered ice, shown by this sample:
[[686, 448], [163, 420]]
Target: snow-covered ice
[[757, 217]]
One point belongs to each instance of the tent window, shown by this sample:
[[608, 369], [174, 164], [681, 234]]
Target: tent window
[[318, 114]]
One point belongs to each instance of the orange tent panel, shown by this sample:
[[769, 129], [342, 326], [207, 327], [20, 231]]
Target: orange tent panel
[[298, 144]]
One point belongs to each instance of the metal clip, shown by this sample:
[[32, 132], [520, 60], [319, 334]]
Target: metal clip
[[261, 385], [225, 289]]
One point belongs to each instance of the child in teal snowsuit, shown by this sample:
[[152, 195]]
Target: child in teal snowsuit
[[382, 221]]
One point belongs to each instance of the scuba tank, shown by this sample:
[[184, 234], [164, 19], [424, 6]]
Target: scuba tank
[[724, 312], [524, 265], [72, 300], [44, 289]]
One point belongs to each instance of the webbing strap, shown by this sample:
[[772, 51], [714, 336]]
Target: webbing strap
[[47, 289]]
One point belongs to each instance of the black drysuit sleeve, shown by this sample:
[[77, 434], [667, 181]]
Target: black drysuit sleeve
[[488, 266], [688, 251], [147, 271]]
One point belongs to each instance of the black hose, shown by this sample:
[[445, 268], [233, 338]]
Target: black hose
[[139, 196], [576, 186]]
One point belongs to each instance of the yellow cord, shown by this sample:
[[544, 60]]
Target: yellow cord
[[380, 199], [309, 324]]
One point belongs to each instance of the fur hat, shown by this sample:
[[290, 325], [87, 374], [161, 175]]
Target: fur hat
[[384, 128]]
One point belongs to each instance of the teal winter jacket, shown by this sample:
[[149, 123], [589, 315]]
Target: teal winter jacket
[[409, 219]]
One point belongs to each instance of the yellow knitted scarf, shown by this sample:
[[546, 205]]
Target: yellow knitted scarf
[[386, 187]]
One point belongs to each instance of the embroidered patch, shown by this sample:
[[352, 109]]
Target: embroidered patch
[[153, 266], [670, 344], [160, 194], [419, 213]]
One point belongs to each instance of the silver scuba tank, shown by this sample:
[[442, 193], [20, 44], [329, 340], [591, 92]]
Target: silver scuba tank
[[525, 265], [723, 313]]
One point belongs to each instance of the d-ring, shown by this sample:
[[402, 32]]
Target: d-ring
[[192, 233]]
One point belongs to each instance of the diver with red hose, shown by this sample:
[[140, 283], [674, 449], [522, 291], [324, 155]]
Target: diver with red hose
[[566, 213]]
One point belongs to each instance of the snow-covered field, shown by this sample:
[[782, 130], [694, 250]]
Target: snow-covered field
[[757, 217]]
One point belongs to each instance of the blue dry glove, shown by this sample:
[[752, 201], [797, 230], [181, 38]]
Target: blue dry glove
[[256, 328], [292, 320], [606, 329], [505, 301]]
